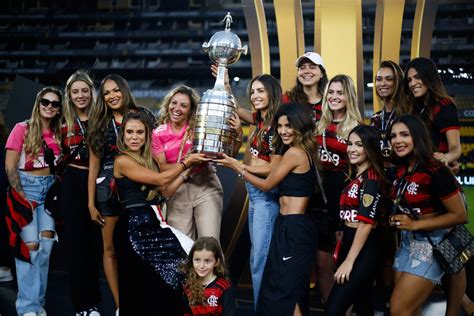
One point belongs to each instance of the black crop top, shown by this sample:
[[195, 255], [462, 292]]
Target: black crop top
[[299, 184]]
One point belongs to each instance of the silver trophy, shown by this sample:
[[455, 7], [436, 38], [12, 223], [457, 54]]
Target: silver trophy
[[213, 134]]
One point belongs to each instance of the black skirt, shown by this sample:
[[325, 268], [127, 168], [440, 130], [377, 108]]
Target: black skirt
[[287, 271]]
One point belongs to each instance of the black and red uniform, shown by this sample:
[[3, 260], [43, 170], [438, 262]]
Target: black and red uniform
[[362, 200], [81, 236], [425, 189], [316, 108], [265, 149], [219, 300], [333, 162], [444, 118]]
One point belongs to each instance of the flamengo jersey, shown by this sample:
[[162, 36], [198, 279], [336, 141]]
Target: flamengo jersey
[[361, 199], [335, 158], [72, 140], [219, 300], [445, 118], [426, 187], [264, 151], [315, 107]]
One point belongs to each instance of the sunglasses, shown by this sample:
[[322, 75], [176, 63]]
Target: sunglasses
[[54, 104]]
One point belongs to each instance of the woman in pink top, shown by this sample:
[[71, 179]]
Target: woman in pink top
[[196, 207], [30, 145]]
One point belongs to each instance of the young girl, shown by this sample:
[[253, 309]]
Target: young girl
[[340, 115], [148, 251], [429, 204], [82, 236], [311, 82], [30, 146], [207, 290], [286, 277], [361, 207]]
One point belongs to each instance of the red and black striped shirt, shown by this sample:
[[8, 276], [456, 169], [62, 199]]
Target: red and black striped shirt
[[425, 189], [332, 150], [363, 198], [265, 150], [70, 141], [316, 108], [219, 300]]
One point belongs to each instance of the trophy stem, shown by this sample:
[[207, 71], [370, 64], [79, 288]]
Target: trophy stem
[[220, 83]]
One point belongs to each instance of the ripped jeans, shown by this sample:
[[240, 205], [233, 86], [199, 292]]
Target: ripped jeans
[[32, 277], [415, 254]]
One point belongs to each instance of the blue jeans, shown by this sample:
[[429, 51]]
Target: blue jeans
[[263, 209], [32, 277]]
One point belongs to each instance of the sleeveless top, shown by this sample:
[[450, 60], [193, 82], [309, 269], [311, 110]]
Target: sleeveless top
[[299, 184], [130, 193]]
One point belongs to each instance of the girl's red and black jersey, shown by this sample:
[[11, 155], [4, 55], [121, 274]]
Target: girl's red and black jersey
[[332, 150], [110, 148], [316, 108], [70, 141], [265, 150], [363, 199], [445, 118], [424, 189], [219, 300]]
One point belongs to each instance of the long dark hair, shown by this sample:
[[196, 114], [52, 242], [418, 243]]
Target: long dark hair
[[193, 281], [422, 146], [273, 89], [297, 94], [428, 73], [398, 96], [101, 116], [370, 138], [300, 119]]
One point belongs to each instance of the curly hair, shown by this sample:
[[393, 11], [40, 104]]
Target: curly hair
[[352, 116], [69, 112], [33, 142], [273, 89], [193, 281], [102, 114]]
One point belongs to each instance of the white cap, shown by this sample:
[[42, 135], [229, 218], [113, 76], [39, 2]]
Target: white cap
[[313, 57]]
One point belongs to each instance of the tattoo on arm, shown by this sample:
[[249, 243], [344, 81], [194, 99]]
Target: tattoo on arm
[[14, 180]]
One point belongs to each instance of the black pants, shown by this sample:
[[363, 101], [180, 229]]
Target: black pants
[[358, 290], [83, 241]]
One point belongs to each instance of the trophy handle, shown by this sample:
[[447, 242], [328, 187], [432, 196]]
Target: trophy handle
[[243, 49], [205, 47]]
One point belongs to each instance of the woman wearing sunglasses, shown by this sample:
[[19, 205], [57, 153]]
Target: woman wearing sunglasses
[[30, 145]]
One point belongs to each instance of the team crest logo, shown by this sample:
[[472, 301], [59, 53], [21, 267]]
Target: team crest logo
[[212, 300], [367, 200]]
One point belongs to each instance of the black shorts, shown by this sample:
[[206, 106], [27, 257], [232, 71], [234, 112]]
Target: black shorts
[[106, 198], [289, 262]]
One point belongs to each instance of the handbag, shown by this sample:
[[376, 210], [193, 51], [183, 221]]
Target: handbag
[[454, 251], [106, 199], [51, 202]]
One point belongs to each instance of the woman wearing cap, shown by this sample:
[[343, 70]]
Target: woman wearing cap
[[311, 82]]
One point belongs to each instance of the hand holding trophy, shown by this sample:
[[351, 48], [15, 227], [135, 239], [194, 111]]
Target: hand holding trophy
[[213, 133]]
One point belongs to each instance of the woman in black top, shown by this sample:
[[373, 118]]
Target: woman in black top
[[148, 250], [292, 250]]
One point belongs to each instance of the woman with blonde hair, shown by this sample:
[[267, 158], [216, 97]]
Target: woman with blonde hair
[[82, 236], [32, 148], [196, 207], [340, 114]]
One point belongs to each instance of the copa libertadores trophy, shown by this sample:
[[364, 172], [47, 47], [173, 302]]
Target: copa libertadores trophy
[[213, 134]]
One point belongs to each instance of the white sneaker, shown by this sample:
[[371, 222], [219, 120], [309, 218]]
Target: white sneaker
[[5, 274], [117, 312], [30, 314], [42, 313]]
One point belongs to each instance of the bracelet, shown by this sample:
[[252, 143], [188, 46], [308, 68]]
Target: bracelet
[[183, 176], [183, 165], [238, 139], [242, 174]]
